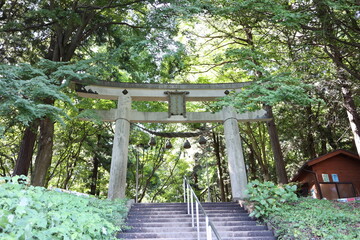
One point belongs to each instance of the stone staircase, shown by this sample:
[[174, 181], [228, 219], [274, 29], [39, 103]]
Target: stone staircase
[[169, 221]]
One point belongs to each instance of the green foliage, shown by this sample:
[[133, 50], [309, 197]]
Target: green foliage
[[37, 213], [82, 147], [316, 219], [27, 91], [302, 218], [268, 197], [271, 90], [160, 172]]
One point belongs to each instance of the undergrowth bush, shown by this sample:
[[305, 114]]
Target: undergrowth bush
[[28, 212], [267, 197], [317, 219], [295, 218]]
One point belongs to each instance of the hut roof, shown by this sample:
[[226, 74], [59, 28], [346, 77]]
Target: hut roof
[[324, 157]]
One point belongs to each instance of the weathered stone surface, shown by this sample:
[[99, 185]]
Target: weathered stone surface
[[235, 154], [119, 159], [191, 117], [156, 92]]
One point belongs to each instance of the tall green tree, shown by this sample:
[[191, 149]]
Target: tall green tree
[[23, 90], [330, 28], [280, 46], [237, 51], [335, 27], [64, 31]]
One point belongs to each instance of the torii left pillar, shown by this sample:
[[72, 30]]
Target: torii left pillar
[[119, 159], [236, 161]]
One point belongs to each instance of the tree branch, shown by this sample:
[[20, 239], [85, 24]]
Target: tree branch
[[110, 5], [30, 27], [212, 66], [165, 185], [341, 64]]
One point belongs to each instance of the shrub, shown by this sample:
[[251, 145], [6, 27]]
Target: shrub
[[28, 212], [268, 197], [303, 218], [316, 219]]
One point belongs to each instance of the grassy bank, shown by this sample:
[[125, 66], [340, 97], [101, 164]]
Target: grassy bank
[[316, 219], [303, 218]]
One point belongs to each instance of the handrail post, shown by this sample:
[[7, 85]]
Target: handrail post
[[188, 198], [208, 229], [197, 221], [184, 188], [192, 210]]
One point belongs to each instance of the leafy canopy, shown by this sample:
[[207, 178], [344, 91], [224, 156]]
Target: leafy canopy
[[26, 90]]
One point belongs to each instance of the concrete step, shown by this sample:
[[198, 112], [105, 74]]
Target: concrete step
[[157, 206], [193, 234], [184, 218], [188, 224], [167, 206], [184, 214], [171, 221], [232, 238], [152, 212], [183, 205], [190, 229], [147, 205], [184, 210]]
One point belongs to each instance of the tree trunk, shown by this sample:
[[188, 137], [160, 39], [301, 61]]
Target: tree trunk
[[310, 146], [24, 158], [155, 166], [275, 145], [95, 170], [252, 165], [44, 155], [349, 103], [69, 173], [252, 175], [225, 171], [94, 175], [352, 114], [345, 74], [255, 148], [217, 143]]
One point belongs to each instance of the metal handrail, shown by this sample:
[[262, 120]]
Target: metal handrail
[[189, 196]]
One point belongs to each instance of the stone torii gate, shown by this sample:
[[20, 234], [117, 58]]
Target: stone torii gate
[[176, 95]]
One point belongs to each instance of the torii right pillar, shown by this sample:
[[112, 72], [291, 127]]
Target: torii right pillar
[[235, 154]]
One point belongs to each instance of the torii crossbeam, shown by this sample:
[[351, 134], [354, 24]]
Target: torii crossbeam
[[176, 95]]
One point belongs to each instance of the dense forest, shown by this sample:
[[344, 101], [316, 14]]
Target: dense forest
[[301, 57]]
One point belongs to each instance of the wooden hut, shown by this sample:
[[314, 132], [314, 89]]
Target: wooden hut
[[332, 176]]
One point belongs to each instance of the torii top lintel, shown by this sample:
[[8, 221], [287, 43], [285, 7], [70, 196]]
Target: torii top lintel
[[156, 92]]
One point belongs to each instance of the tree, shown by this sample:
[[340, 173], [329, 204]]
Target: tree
[[57, 31], [23, 89], [279, 47], [337, 30], [238, 51], [160, 170], [331, 27]]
